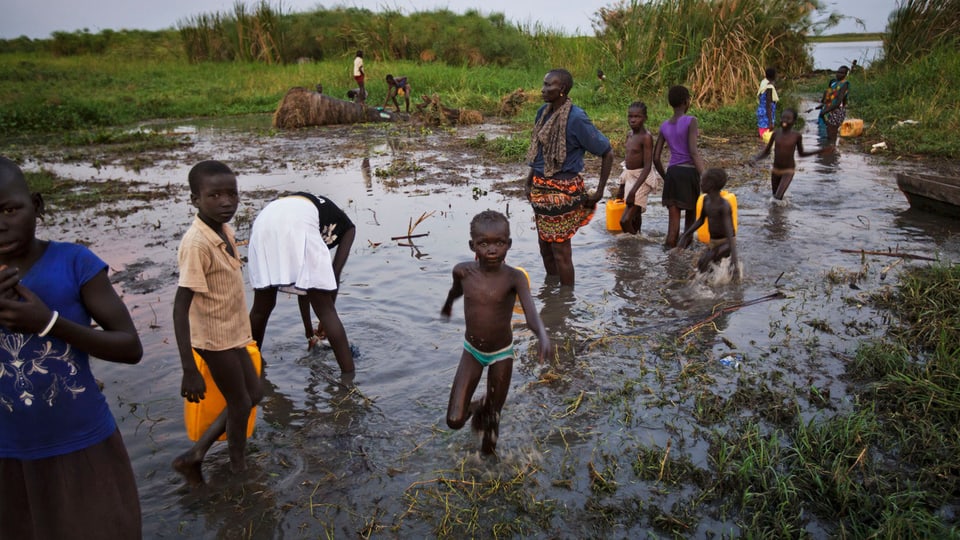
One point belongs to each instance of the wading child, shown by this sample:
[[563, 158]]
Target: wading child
[[636, 184], [785, 142], [64, 470], [210, 316], [397, 87], [719, 215], [681, 179], [290, 245], [489, 289]]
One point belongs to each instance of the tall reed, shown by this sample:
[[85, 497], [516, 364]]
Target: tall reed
[[917, 27]]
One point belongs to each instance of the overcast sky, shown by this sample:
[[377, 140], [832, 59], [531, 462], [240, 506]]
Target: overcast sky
[[39, 18]]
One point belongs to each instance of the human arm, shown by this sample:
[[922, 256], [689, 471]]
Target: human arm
[[533, 317], [192, 386], [528, 185], [693, 133], [456, 291], [657, 154], [687, 237], [766, 149], [605, 165], [343, 251], [116, 341], [731, 233], [802, 153], [769, 107]]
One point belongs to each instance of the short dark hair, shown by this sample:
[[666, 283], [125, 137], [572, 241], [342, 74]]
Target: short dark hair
[[791, 111], [389, 77], [566, 79], [203, 170], [360, 53], [10, 170], [714, 179], [770, 73], [678, 95], [487, 217], [638, 105]]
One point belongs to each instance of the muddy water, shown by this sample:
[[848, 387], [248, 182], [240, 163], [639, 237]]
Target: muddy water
[[334, 457]]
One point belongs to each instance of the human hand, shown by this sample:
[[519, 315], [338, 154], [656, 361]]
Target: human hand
[[23, 311], [545, 350], [9, 277], [685, 241], [192, 387], [631, 199], [445, 311]]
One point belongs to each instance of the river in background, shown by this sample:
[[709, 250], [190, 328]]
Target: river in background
[[831, 55]]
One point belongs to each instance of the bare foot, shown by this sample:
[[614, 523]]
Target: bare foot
[[491, 433], [475, 413], [189, 466]]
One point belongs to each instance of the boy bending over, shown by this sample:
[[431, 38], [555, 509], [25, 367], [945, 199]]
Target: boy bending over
[[719, 215]]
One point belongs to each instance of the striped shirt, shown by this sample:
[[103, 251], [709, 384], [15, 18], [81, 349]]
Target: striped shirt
[[218, 313]]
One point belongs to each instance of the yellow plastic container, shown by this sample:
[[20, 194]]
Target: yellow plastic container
[[851, 127], [199, 416], [517, 308], [615, 208], [703, 233]]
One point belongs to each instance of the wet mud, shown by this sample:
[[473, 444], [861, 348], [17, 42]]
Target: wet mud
[[619, 435]]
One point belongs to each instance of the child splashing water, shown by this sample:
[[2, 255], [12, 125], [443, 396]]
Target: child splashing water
[[718, 262]]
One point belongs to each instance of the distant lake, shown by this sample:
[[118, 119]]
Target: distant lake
[[832, 55]]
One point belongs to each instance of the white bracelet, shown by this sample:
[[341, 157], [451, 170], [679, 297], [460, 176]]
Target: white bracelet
[[53, 321]]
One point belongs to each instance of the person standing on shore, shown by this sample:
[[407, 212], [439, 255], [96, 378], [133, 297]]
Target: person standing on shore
[[562, 133], [834, 110], [767, 99], [359, 76]]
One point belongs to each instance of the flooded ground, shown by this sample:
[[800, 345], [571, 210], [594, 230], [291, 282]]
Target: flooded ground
[[643, 358]]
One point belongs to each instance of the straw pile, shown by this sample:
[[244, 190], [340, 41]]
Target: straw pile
[[301, 107]]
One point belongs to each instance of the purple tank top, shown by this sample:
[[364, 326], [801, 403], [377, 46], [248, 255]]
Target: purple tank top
[[676, 137]]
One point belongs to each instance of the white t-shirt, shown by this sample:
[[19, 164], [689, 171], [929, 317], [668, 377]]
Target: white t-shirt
[[358, 66]]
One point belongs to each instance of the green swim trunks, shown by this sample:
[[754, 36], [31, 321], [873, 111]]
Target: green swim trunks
[[487, 358]]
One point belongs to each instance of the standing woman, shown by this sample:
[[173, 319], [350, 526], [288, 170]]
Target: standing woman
[[834, 110], [767, 99], [562, 133]]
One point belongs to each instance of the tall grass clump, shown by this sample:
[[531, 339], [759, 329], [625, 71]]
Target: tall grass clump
[[918, 27], [713, 46], [245, 35]]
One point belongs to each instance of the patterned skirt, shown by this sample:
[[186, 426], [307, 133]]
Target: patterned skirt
[[558, 207]]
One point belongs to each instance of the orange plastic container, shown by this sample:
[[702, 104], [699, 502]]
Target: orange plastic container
[[615, 208], [852, 127], [703, 233], [199, 416], [517, 308]]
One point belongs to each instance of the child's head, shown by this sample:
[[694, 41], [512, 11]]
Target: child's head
[[713, 180], [490, 229], [390, 78], [770, 74], [360, 54], [565, 78], [19, 209], [842, 72], [678, 96], [213, 190], [788, 117], [352, 94], [636, 114]]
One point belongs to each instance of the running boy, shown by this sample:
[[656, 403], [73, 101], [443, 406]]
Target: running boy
[[635, 181], [489, 289], [210, 315], [785, 142], [64, 471], [719, 215]]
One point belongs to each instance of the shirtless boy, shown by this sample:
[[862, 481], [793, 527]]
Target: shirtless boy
[[785, 143], [635, 181], [489, 289], [719, 215]]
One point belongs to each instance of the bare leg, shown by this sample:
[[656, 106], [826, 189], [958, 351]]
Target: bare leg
[[464, 384], [264, 300], [546, 254], [689, 217], [189, 463], [673, 226], [498, 383], [322, 302], [781, 190], [563, 257], [303, 302]]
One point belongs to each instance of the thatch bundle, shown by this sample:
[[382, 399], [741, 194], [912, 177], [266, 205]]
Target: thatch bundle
[[301, 107], [511, 103], [435, 113]]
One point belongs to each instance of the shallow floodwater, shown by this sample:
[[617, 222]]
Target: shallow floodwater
[[335, 457]]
